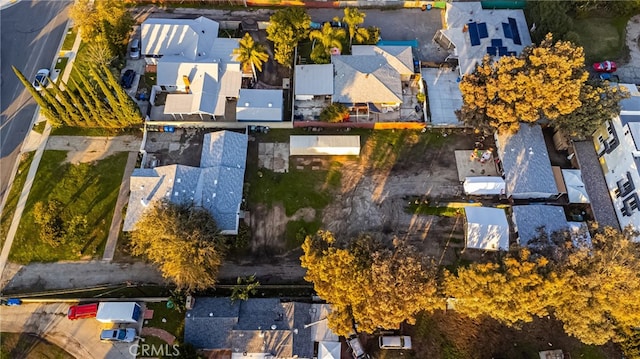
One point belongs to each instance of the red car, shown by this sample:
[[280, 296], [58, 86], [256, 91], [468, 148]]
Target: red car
[[605, 66]]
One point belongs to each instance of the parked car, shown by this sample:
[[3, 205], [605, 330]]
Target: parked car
[[395, 342], [605, 66], [127, 78], [82, 311], [134, 49], [123, 335], [42, 79], [356, 348]]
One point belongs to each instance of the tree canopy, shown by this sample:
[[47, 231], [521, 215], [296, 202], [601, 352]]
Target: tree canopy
[[354, 18], [251, 54], [286, 28], [544, 81], [601, 286], [327, 38], [183, 241], [367, 284]]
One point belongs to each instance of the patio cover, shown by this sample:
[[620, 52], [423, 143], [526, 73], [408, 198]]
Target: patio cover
[[487, 229], [324, 145], [575, 187], [482, 186], [329, 350]]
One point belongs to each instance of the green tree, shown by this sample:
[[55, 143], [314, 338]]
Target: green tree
[[544, 81], [367, 284], [245, 286], [251, 54], [598, 301], [515, 290], [183, 241], [549, 17], [353, 18], [47, 216], [600, 102], [367, 36], [105, 20], [336, 112], [46, 108], [286, 28], [328, 37]]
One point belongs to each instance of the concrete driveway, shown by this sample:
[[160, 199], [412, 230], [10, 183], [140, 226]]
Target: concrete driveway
[[80, 338]]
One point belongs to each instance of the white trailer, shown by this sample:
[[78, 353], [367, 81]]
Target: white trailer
[[119, 312]]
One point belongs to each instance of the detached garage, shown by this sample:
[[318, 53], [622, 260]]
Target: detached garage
[[487, 229], [484, 186], [324, 145]]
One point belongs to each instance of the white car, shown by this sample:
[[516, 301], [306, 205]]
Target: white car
[[124, 335], [395, 342], [42, 79]]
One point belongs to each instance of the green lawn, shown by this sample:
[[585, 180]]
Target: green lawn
[[174, 320], [61, 64], [446, 209], [26, 346], [389, 148], [14, 194], [39, 127], [69, 39], [90, 131], [603, 38], [88, 190], [297, 231]]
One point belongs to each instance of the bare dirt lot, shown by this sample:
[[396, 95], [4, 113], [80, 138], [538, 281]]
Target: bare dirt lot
[[370, 196]]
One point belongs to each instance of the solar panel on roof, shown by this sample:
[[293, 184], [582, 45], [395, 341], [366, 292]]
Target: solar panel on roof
[[492, 50], [502, 51], [496, 42], [473, 33], [507, 30], [514, 31], [482, 30]]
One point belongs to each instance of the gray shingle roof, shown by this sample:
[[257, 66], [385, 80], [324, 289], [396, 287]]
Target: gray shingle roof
[[217, 185], [246, 326], [595, 184], [530, 219], [365, 79], [527, 168]]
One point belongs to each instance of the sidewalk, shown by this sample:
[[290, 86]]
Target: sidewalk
[[36, 159], [630, 73]]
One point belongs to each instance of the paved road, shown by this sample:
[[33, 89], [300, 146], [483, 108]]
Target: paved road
[[30, 36]]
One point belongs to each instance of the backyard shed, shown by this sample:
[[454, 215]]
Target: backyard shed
[[484, 186], [533, 221], [313, 80], [487, 229], [575, 186], [259, 105], [324, 145]]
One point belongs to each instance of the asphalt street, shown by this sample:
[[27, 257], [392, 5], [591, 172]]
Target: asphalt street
[[30, 35]]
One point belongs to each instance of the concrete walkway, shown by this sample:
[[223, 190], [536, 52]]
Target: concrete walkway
[[123, 198], [630, 72], [158, 333]]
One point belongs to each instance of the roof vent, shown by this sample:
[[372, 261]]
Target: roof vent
[[270, 104], [144, 202], [178, 180], [211, 314], [246, 104], [274, 327]]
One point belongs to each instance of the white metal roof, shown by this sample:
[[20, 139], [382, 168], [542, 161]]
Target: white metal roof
[[487, 228], [485, 185], [259, 105], [316, 80], [329, 350], [575, 186], [190, 38], [324, 145]]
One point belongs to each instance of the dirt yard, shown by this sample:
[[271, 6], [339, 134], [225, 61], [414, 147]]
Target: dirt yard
[[374, 190]]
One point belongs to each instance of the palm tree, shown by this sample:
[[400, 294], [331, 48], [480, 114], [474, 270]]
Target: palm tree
[[353, 17], [251, 54], [328, 38]]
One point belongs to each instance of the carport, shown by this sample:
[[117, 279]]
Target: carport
[[444, 95], [324, 145]]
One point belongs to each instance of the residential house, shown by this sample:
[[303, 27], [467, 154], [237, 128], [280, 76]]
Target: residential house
[[533, 221], [376, 83], [526, 164], [259, 105], [198, 74], [217, 185], [260, 328], [617, 146], [470, 32]]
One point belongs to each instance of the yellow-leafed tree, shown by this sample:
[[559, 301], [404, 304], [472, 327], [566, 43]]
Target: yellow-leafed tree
[[513, 291], [544, 81], [366, 284], [599, 300], [183, 241]]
